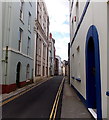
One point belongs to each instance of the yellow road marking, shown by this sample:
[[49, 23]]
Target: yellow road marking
[[19, 94], [55, 105]]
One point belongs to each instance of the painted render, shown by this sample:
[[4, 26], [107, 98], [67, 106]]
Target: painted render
[[11, 24], [59, 65], [42, 34], [51, 59], [99, 18], [0, 44]]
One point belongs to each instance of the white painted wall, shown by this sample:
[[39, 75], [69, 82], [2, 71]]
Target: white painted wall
[[98, 17]]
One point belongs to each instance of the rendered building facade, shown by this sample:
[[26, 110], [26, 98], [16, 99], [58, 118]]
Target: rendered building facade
[[42, 36], [18, 43], [89, 28]]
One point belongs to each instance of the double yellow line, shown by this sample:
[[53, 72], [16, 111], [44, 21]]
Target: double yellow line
[[19, 94], [55, 105]]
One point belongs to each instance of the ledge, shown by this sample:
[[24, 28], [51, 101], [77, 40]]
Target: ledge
[[78, 79], [107, 93], [73, 77]]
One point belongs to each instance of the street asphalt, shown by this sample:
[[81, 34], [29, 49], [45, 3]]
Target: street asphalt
[[36, 103]]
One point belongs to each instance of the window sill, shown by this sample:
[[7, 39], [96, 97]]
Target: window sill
[[107, 93], [30, 3], [73, 77], [29, 31], [78, 79], [21, 20]]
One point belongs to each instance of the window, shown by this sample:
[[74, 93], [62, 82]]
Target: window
[[72, 28], [39, 47], [28, 46], [78, 49], [73, 55], [39, 70], [20, 39], [21, 9], [30, 2], [39, 51], [77, 12], [29, 21], [78, 61], [44, 50]]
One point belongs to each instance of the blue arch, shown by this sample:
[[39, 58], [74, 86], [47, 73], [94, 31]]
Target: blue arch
[[92, 33]]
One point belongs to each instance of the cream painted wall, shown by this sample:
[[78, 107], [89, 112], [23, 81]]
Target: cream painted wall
[[108, 59], [60, 72], [98, 17], [43, 35]]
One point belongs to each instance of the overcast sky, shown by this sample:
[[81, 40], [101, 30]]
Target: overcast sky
[[58, 11]]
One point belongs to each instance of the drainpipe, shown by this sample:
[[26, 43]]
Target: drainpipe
[[36, 38], [7, 40], [1, 49], [6, 64], [36, 56]]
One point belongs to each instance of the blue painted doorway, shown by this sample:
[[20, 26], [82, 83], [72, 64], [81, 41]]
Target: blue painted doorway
[[93, 79]]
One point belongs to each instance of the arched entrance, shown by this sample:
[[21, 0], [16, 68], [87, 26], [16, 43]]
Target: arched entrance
[[93, 80], [18, 70], [28, 72]]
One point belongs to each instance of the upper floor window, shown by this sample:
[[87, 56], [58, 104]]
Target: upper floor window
[[77, 12], [21, 9], [44, 50], [20, 39], [29, 21], [40, 47], [28, 46], [78, 49], [30, 2]]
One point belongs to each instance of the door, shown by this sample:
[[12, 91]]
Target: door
[[18, 74], [93, 79], [91, 71]]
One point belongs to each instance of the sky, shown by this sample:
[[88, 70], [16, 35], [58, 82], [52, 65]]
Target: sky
[[58, 11]]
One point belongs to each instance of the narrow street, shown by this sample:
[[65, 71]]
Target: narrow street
[[54, 59], [36, 103]]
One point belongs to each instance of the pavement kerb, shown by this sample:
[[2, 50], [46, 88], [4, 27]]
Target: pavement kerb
[[20, 90]]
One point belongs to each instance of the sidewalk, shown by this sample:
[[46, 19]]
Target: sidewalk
[[72, 106], [19, 90]]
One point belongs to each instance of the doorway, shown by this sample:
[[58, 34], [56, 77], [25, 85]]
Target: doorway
[[43, 71], [27, 72], [18, 70], [93, 80]]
